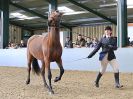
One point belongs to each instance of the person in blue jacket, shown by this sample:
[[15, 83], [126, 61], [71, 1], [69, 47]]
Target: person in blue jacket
[[108, 44]]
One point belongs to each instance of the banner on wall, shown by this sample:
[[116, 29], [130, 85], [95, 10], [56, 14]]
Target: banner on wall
[[1, 29]]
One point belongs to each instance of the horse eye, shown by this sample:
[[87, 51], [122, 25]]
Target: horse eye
[[57, 11], [52, 18]]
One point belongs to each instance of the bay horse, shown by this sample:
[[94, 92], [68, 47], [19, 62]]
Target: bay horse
[[47, 49]]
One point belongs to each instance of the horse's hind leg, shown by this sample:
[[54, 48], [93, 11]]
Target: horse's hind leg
[[59, 62], [47, 64], [43, 74], [29, 67]]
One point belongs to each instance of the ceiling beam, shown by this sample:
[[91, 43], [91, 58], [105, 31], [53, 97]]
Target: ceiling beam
[[65, 25], [27, 27], [20, 25], [39, 27], [48, 1], [30, 11], [35, 13], [32, 27], [93, 11]]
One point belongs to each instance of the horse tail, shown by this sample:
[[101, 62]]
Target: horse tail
[[35, 66]]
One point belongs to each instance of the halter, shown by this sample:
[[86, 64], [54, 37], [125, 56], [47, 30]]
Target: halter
[[54, 26], [57, 25]]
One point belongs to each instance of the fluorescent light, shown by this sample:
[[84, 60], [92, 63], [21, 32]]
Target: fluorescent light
[[78, 12], [32, 8], [108, 5], [65, 9], [85, 20]]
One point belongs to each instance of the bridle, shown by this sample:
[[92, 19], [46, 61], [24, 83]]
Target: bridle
[[54, 23]]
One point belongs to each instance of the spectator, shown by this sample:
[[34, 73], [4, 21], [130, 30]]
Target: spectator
[[22, 44], [128, 41], [94, 42], [88, 42], [12, 46], [9, 45], [80, 42], [131, 43], [68, 43]]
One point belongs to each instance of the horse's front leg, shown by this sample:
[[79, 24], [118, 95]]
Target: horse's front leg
[[59, 62], [47, 64], [43, 74]]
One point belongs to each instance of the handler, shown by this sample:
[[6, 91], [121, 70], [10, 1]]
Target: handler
[[108, 44]]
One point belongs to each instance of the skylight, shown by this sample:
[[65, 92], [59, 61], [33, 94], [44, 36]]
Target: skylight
[[68, 11], [20, 16], [129, 3]]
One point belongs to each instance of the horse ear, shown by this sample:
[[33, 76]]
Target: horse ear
[[52, 12], [57, 11]]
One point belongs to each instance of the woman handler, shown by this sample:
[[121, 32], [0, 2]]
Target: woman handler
[[108, 44]]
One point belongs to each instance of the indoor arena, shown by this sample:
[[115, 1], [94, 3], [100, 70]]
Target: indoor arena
[[66, 49]]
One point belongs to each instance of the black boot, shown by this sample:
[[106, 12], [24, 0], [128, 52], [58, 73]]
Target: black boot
[[117, 83], [97, 79]]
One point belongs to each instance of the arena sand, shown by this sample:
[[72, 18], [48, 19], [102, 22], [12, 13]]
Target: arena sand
[[74, 85]]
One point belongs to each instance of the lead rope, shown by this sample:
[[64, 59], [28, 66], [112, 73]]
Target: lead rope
[[69, 62]]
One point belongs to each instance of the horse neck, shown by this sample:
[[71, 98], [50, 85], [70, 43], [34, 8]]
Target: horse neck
[[54, 36]]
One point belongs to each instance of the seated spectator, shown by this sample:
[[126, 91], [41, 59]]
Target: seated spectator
[[85, 37], [12, 46], [22, 44], [9, 45], [80, 42], [94, 42], [68, 43], [131, 43], [88, 42], [128, 41]]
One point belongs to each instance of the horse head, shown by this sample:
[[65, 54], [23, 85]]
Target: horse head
[[54, 19]]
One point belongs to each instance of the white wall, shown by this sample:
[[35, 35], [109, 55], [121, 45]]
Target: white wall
[[39, 32], [1, 29], [63, 35], [17, 57], [130, 32]]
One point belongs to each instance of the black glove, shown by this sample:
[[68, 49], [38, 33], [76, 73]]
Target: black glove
[[89, 56]]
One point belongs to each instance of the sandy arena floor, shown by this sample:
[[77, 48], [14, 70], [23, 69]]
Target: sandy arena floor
[[74, 85]]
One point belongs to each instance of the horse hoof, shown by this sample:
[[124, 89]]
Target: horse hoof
[[97, 85], [57, 79], [27, 82], [46, 86], [119, 86], [51, 92]]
